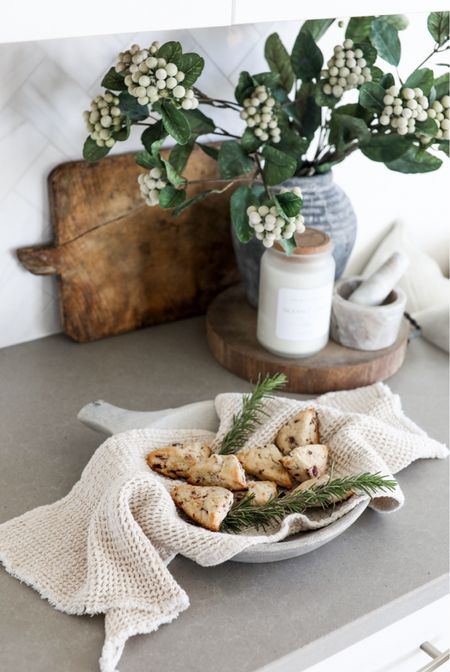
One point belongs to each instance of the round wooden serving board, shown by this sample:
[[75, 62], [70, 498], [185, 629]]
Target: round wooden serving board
[[231, 332]]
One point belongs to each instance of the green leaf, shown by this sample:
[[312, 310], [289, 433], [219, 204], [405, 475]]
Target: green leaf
[[249, 141], [244, 87], [233, 161], [259, 193], [194, 199], [415, 160], [169, 197], [316, 27], [209, 151], [432, 95], [114, 81], [124, 132], [288, 244], [280, 95], [278, 166], [146, 160], [359, 28], [399, 21], [306, 110], [371, 96], [172, 52], [438, 26], [172, 175], [444, 146], [428, 128], [306, 59], [175, 122], [179, 155], [92, 152], [292, 143], [288, 204], [386, 81], [323, 99], [152, 134], [354, 110], [385, 147], [192, 65], [326, 166], [279, 62], [129, 105], [442, 85], [377, 74], [199, 123], [422, 79], [344, 129], [269, 79], [370, 53], [384, 38], [240, 200]]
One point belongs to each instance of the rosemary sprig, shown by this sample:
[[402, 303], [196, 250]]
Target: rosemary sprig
[[244, 514], [246, 421]]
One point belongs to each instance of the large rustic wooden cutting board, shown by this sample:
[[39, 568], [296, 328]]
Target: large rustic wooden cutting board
[[123, 265]]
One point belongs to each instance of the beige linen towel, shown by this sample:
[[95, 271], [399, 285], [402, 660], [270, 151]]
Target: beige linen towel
[[105, 547]]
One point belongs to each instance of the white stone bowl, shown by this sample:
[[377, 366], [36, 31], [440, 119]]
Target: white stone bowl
[[109, 419], [365, 327]]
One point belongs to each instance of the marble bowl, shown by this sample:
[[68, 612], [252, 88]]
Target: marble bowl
[[109, 419], [365, 327]]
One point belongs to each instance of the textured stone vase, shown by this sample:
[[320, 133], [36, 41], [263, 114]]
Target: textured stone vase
[[326, 207]]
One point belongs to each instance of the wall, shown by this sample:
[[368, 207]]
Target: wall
[[46, 85]]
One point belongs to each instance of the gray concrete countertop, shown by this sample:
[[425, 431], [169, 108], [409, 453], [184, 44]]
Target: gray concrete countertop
[[242, 617]]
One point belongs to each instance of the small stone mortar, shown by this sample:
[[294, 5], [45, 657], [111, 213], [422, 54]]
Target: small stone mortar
[[365, 327]]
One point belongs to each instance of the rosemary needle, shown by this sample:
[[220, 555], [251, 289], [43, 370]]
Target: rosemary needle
[[246, 421]]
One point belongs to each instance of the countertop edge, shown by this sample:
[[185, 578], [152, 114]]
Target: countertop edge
[[351, 633]]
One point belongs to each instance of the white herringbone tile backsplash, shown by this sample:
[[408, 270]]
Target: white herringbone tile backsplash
[[45, 86]]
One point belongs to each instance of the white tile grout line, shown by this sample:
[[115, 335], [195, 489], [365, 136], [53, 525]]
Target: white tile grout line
[[29, 76], [206, 52]]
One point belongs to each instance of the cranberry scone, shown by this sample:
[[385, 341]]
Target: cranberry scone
[[221, 470], [264, 462], [262, 491], [305, 462], [176, 460], [207, 506], [301, 430]]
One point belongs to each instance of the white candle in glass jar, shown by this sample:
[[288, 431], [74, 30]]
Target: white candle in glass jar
[[295, 293]]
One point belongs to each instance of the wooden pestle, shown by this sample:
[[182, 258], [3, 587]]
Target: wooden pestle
[[374, 290]]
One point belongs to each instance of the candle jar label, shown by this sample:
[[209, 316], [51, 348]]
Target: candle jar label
[[303, 313]]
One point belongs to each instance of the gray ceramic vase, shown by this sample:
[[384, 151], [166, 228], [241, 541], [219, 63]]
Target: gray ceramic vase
[[326, 207]]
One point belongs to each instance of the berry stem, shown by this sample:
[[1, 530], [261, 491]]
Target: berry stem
[[217, 180], [222, 131], [436, 50], [260, 170], [216, 102], [335, 157]]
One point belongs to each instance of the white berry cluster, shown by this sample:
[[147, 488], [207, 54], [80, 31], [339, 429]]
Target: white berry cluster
[[103, 119], [403, 107], [347, 69], [151, 184], [259, 114], [150, 78], [269, 226], [440, 112]]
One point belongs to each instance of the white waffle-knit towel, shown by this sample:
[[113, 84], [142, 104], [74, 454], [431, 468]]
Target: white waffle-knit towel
[[105, 547]]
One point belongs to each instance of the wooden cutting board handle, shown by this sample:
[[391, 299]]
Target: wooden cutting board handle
[[40, 260]]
